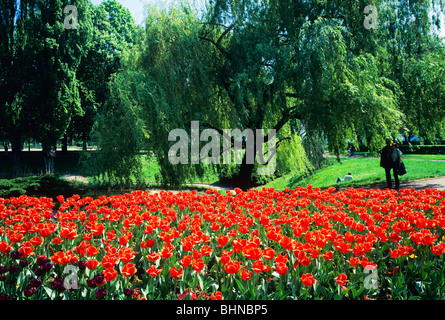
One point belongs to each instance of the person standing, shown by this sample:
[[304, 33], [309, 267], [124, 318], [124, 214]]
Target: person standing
[[51, 156], [396, 158], [48, 157], [386, 162]]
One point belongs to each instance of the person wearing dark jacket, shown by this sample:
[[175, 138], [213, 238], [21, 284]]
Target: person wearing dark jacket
[[386, 162], [51, 156], [396, 158]]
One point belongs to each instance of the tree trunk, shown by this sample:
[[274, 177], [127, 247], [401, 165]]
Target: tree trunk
[[65, 144], [244, 178]]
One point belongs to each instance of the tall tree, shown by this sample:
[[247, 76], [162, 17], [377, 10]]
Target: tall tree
[[110, 120], [114, 34], [14, 67], [284, 60], [415, 62], [40, 58], [244, 65], [53, 93], [167, 83], [271, 65]]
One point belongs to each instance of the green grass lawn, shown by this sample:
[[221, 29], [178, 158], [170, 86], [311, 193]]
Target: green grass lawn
[[364, 170], [404, 156]]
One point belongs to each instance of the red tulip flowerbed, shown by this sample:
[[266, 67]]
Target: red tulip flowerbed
[[304, 243]]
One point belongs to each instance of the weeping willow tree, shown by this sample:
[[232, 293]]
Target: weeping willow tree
[[275, 62], [271, 65], [120, 136], [238, 67], [223, 81]]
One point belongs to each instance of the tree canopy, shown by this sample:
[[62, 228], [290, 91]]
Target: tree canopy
[[312, 71], [293, 66], [54, 72], [39, 61], [114, 33]]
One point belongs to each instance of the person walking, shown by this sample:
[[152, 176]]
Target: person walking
[[386, 162], [396, 158]]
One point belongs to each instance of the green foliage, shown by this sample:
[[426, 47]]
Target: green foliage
[[114, 33], [257, 65], [48, 186], [207, 74], [39, 59], [52, 92], [413, 57], [168, 89], [109, 115], [239, 64], [291, 156], [315, 149], [422, 149], [424, 94], [118, 138]]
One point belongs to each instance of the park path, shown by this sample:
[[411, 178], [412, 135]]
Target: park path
[[154, 190], [419, 184]]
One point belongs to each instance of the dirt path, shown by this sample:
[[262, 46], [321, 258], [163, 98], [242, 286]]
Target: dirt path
[[154, 190], [73, 177], [204, 185], [375, 157], [433, 183], [419, 184]]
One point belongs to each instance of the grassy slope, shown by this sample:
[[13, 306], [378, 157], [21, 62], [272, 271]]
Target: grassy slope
[[364, 170]]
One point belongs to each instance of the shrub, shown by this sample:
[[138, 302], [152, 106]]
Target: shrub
[[422, 149]]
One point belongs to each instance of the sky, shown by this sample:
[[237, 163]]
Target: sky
[[136, 7], [137, 10]]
